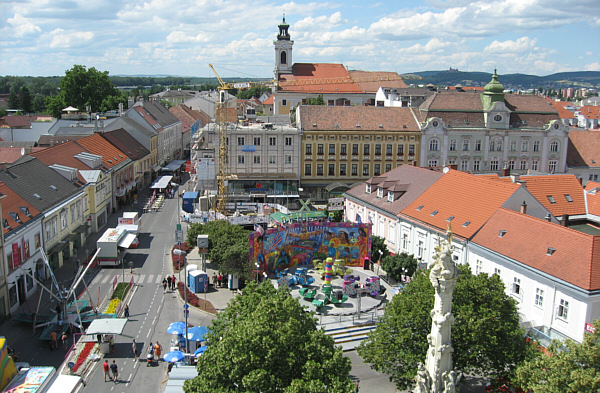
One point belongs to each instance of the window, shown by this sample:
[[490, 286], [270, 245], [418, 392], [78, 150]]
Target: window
[[497, 271], [451, 161], [516, 287], [534, 165], [511, 164], [523, 165], [497, 118], [331, 149], [319, 169], [272, 160], [376, 170], [478, 145], [342, 169], [466, 144], [307, 170], [343, 149], [366, 149], [411, 150], [331, 170], [563, 309], [388, 150], [365, 171], [390, 196], [320, 149], [73, 217], [379, 192], [568, 198], [257, 159], [63, 219], [241, 141], [308, 149], [452, 144], [288, 160], [48, 231], [405, 241], [433, 145], [464, 165], [368, 189], [539, 297], [257, 141], [272, 141], [498, 145], [513, 145], [525, 145], [354, 170], [554, 146], [355, 150], [494, 165], [492, 145], [284, 102], [288, 141], [478, 266], [552, 164], [476, 165], [420, 249], [432, 163], [377, 149], [240, 159], [551, 199], [388, 167], [536, 146], [400, 150]]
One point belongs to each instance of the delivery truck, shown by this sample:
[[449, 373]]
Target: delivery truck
[[113, 245]]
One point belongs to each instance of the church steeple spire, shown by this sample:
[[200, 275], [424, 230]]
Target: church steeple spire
[[283, 31], [283, 50]]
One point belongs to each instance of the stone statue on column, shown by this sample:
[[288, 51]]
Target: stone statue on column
[[437, 375]]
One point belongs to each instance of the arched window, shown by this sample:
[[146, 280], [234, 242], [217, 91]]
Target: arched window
[[554, 146], [433, 145], [283, 58]]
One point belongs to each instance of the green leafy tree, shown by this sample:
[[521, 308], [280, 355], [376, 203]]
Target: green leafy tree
[[265, 341], [39, 103], [254, 91], [81, 87], [316, 101], [486, 336], [378, 244], [54, 105], [25, 101], [13, 100], [3, 112], [228, 246], [566, 367], [397, 265]]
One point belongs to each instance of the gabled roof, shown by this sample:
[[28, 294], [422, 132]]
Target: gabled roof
[[554, 192], [11, 154], [357, 118], [96, 144], [13, 207], [63, 154], [592, 191], [189, 116], [156, 115], [590, 112], [584, 148], [38, 184], [269, 101], [410, 180], [469, 199], [16, 121], [563, 112], [126, 143], [559, 251]]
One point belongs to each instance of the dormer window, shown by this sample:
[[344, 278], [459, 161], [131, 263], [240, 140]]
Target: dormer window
[[5, 223], [466, 224], [449, 219], [568, 198], [379, 192], [25, 210], [420, 207], [501, 233], [550, 251], [15, 216], [368, 189], [433, 213], [390, 196], [551, 198]]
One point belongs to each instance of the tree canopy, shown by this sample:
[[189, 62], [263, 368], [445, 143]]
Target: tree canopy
[[486, 336], [315, 101], [397, 265], [378, 244], [565, 367], [265, 341], [228, 246]]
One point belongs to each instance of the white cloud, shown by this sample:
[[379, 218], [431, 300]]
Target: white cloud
[[22, 26], [520, 45], [62, 39], [592, 67]]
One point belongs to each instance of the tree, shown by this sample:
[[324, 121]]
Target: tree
[[228, 246], [265, 341], [378, 244], [3, 112], [566, 367], [254, 91], [486, 336], [39, 104], [81, 87], [25, 100], [397, 265], [13, 100], [315, 101]]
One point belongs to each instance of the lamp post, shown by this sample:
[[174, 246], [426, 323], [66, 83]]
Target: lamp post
[[257, 270]]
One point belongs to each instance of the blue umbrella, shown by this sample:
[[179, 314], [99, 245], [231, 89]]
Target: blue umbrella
[[197, 333], [200, 351], [173, 356], [176, 328]]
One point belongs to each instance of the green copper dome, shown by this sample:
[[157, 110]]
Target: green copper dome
[[494, 86]]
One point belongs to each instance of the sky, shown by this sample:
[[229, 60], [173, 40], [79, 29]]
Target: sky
[[168, 37]]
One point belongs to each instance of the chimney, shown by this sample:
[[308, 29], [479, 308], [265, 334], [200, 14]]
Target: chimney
[[524, 208], [514, 178], [549, 217], [565, 220], [505, 172]]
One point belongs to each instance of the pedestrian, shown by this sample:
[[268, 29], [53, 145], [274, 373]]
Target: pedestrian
[[111, 342], [115, 370], [106, 368], [157, 350], [214, 279], [356, 386], [164, 282], [169, 282], [219, 279], [224, 281], [173, 280], [127, 311], [64, 339], [53, 342], [134, 349]]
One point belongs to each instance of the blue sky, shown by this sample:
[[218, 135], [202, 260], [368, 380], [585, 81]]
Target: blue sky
[[124, 37]]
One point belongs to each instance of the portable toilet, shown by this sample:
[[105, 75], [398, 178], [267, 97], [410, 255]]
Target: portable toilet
[[189, 268], [197, 280]]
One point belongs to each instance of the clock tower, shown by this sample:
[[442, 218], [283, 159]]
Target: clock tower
[[283, 51]]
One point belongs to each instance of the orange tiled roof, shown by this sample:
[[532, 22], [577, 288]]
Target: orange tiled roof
[[465, 197], [563, 113], [590, 185], [269, 101], [584, 148], [10, 154], [590, 112], [95, 144], [592, 193], [575, 256], [13, 203], [357, 118], [555, 187], [62, 154]]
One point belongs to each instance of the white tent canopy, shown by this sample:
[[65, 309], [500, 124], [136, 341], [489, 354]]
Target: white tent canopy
[[162, 182], [107, 326], [70, 109], [127, 240]]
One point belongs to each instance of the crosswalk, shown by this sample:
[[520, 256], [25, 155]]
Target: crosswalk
[[141, 279]]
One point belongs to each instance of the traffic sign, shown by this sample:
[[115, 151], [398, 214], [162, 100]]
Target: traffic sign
[[186, 306], [179, 235]]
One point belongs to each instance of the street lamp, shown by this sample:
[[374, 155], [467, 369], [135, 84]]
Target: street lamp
[[257, 270]]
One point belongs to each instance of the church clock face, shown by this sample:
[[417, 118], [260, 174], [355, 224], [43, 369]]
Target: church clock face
[[498, 118]]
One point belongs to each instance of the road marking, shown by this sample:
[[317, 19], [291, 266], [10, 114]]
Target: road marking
[[129, 379], [149, 331], [142, 278], [158, 279], [105, 279], [150, 277]]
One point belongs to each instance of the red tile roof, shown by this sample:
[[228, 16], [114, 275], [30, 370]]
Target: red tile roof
[[465, 197], [357, 118], [13, 203], [590, 112], [95, 144], [563, 113], [592, 190], [62, 154], [584, 148], [10, 154], [575, 256], [269, 101]]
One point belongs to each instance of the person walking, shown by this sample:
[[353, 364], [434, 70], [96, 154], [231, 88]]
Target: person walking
[[157, 350], [111, 343], [53, 342], [134, 349], [164, 282], [214, 279], [173, 281], [115, 371], [106, 368], [127, 311], [169, 282], [64, 338], [219, 279]]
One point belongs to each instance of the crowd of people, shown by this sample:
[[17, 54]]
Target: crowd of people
[[169, 282]]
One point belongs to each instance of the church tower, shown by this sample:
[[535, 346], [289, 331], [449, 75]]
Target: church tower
[[283, 51]]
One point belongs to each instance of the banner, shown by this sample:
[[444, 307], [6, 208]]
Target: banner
[[16, 255], [301, 243]]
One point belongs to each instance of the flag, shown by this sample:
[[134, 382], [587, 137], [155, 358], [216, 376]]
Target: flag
[[259, 229]]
